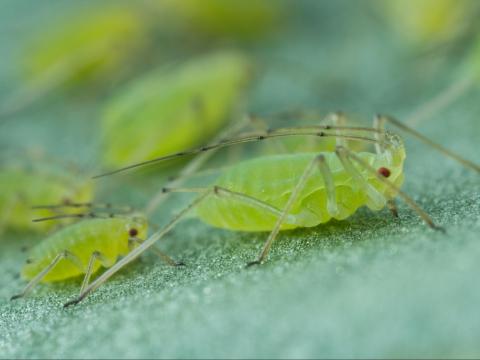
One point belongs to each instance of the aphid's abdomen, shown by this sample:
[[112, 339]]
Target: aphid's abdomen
[[107, 236], [271, 179]]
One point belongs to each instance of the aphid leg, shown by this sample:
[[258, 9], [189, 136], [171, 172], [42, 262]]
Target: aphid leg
[[144, 245], [392, 206], [427, 141], [138, 250], [133, 241], [410, 202], [339, 120], [221, 191], [67, 255], [281, 219], [333, 206], [96, 255], [373, 194], [379, 124], [194, 165]]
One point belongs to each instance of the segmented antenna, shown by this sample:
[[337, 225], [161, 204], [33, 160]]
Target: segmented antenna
[[318, 131]]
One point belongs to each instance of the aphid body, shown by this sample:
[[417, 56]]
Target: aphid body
[[86, 47], [428, 22], [107, 237], [220, 19], [172, 109], [21, 189], [272, 179]]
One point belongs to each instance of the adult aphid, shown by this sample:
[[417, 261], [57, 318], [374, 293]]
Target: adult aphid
[[82, 248], [209, 20], [83, 49], [279, 192], [173, 108], [23, 187]]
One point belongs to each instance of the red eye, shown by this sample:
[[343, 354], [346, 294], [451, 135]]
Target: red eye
[[133, 232], [384, 172]]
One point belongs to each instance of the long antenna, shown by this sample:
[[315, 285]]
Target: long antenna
[[318, 131]]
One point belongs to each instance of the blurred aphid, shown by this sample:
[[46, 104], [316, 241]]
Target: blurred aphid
[[22, 188], [224, 19], [91, 48], [173, 108], [429, 22]]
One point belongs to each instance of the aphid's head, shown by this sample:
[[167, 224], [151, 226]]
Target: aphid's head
[[394, 149], [137, 226], [389, 164]]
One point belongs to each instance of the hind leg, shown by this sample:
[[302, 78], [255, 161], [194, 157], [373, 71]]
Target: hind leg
[[67, 255]]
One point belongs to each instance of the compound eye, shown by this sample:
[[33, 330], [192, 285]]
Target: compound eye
[[384, 172], [133, 232]]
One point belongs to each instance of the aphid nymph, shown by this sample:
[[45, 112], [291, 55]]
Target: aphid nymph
[[173, 108], [82, 248]]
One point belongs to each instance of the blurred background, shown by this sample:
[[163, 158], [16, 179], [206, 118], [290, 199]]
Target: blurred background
[[87, 87]]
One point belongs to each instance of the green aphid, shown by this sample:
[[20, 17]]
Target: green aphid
[[21, 189], [173, 108], [106, 236], [94, 49], [87, 47], [96, 240], [426, 23], [220, 19]]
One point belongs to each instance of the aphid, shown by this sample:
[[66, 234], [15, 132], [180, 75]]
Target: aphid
[[430, 22], [22, 188], [223, 19], [82, 248], [171, 109], [90, 48], [279, 192]]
